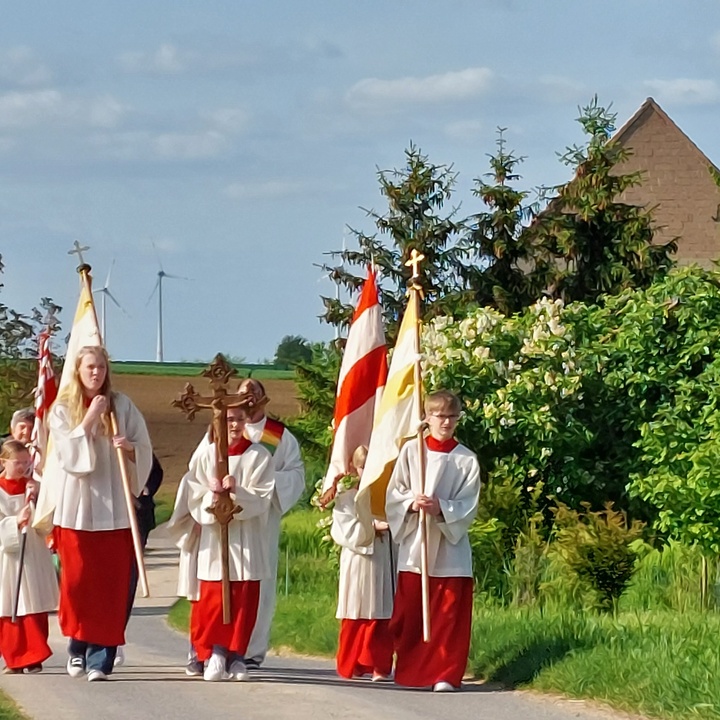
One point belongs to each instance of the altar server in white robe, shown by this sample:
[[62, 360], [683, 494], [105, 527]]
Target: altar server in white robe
[[450, 501], [289, 485], [365, 588], [23, 643], [250, 482], [92, 525]]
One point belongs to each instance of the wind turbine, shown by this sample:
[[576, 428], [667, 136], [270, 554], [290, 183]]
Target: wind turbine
[[105, 292], [158, 286]]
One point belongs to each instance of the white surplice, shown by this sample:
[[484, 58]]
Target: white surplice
[[454, 478], [289, 485], [185, 533], [365, 586], [86, 481], [39, 588], [247, 535]]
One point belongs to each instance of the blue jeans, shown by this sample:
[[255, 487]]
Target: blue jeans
[[97, 657]]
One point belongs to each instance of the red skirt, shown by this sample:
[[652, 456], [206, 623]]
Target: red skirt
[[444, 658], [206, 617], [364, 647], [24, 642], [94, 584]]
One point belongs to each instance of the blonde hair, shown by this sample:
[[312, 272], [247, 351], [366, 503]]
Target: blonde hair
[[359, 457], [12, 448], [443, 400], [72, 395]]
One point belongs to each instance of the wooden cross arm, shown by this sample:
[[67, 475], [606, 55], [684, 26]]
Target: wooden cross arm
[[224, 508], [190, 402]]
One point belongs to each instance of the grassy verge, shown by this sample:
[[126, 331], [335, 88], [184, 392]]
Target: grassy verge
[[658, 662], [9, 709], [661, 664]]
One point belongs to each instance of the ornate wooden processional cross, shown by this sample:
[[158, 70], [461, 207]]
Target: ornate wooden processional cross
[[224, 508]]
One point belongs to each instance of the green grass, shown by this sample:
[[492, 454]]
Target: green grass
[[661, 664], [9, 710], [261, 372], [164, 502]]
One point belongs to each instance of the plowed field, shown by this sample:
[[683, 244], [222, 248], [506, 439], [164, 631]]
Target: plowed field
[[174, 437]]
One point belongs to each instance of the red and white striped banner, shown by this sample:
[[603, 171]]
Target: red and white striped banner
[[45, 394], [362, 378]]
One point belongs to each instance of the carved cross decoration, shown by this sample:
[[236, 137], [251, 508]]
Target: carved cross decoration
[[414, 262], [78, 250], [224, 508]]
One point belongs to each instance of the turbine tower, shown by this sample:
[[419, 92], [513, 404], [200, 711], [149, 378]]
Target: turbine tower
[[159, 287], [105, 292]]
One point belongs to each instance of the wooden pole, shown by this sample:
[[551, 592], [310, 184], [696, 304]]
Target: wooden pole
[[423, 520], [84, 271]]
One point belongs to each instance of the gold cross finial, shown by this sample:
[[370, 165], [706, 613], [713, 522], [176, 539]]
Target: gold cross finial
[[78, 250], [415, 259]]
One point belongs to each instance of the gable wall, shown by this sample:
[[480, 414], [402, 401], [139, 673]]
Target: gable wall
[[677, 181]]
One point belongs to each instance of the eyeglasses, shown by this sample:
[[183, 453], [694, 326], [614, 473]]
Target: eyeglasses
[[442, 417]]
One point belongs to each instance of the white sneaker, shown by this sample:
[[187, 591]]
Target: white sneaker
[[443, 686], [238, 671], [96, 675], [215, 668], [119, 657], [75, 666]]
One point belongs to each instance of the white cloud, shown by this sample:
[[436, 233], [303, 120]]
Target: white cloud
[[168, 59], [269, 190], [190, 146], [562, 89], [20, 109], [51, 107], [685, 91], [464, 129], [433, 89], [20, 66], [231, 120]]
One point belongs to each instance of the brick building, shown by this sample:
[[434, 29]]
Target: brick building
[[676, 182]]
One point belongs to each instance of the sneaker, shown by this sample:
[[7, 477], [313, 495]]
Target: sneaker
[[12, 671], [34, 669], [119, 657], [194, 667], [252, 664], [96, 675], [379, 677], [443, 686], [75, 666], [238, 671], [215, 668]]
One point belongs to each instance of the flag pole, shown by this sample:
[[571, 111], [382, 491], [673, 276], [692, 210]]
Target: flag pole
[[84, 271], [415, 294]]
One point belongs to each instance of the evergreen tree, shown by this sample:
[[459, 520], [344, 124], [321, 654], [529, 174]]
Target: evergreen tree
[[590, 242], [416, 197], [504, 256]]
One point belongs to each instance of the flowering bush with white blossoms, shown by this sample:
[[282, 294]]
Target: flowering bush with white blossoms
[[593, 403]]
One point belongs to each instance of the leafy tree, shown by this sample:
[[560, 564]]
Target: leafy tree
[[316, 382], [291, 350], [18, 348], [416, 197], [590, 242]]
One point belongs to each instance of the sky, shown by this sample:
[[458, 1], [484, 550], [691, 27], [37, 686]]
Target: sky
[[234, 142]]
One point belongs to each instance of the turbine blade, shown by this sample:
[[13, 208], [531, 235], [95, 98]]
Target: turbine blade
[[157, 283], [107, 280], [176, 277], [157, 255]]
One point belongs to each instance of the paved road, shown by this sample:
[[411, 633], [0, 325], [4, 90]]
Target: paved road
[[152, 684]]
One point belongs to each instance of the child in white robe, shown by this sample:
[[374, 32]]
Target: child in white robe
[[23, 643], [365, 588], [449, 501]]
